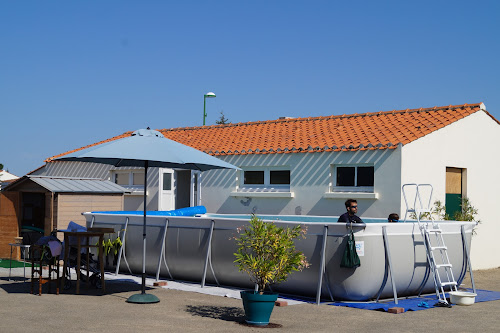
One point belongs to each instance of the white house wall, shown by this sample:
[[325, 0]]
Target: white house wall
[[310, 180], [469, 143]]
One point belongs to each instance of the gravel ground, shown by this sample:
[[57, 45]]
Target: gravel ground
[[182, 311]]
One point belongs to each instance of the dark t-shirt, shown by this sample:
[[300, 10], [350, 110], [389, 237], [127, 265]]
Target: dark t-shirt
[[349, 219]]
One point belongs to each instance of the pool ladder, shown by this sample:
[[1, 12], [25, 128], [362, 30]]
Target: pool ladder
[[436, 250]]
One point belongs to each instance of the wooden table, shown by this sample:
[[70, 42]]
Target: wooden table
[[91, 232]]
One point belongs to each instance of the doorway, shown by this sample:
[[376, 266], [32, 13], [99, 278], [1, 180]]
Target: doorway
[[178, 189], [195, 188], [167, 190], [183, 196], [33, 210], [454, 190], [188, 184]]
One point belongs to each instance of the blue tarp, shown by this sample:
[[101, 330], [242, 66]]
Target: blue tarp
[[418, 303], [188, 211]]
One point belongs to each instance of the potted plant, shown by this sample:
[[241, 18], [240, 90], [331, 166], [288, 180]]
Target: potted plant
[[267, 254]]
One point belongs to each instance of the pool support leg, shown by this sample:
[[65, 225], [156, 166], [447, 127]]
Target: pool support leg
[[122, 250], [322, 265], [209, 247], [467, 253], [388, 256], [162, 250]]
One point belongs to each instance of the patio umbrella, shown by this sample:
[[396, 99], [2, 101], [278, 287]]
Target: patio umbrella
[[147, 148]]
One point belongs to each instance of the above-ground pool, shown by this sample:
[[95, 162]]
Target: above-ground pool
[[201, 248]]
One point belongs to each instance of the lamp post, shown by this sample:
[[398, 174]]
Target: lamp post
[[207, 95]]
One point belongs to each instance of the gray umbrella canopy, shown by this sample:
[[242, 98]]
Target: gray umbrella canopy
[[147, 148], [147, 145]]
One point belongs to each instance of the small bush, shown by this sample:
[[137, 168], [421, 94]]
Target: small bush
[[267, 252]]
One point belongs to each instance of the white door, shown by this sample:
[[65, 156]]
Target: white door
[[166, 190], [195, 188]]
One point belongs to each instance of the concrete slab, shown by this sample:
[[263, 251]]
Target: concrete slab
[[187, 311]]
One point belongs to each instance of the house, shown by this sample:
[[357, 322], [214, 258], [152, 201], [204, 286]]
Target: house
[[6, 178], [310, 166]]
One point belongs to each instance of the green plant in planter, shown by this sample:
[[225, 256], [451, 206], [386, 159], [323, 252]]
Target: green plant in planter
[[267, 252], [467, 212]]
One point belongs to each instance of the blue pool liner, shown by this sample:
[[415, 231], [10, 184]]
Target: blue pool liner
[[188, 211], [417, 303]]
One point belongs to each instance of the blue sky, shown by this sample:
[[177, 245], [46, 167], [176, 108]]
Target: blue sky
[[76, 72]]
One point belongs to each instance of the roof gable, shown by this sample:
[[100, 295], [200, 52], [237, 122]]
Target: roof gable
[[376, 130]]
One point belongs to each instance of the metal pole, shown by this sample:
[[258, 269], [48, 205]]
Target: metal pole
[[162, 251], [10, 263], [468, 259], [204, 104], [322, 265], [143, 297], [24, 263], [208, 253], [143, 291], [388, 255], [121, 251]]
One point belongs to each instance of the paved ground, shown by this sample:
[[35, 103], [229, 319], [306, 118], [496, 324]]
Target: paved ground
[[182, 311]]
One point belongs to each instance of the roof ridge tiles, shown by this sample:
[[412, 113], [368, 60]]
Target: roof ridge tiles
[[313, 134], [123, 135], [301, 119]]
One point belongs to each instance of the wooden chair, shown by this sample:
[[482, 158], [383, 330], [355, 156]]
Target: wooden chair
[[38, 258]]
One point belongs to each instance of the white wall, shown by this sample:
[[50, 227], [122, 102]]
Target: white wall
[[310, 180], [469, 143]]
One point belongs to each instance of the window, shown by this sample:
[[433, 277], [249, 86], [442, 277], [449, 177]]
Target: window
[[254, 178], [167, 181], [122, 179], [137, 178], [357, 178], [265, 179], [279, 177], [132, 180]]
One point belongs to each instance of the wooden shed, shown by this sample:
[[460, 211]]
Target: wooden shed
[[40, 203]]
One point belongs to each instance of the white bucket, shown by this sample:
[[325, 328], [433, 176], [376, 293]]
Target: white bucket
[[462, 297]]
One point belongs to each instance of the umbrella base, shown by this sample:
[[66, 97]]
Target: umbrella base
[[143, 299]]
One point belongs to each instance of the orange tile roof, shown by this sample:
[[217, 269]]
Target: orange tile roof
[[376, 130]]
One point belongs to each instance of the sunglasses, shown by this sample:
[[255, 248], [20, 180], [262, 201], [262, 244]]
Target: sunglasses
[[354, 206]]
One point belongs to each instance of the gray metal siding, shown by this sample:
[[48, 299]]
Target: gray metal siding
[[69, 185], [103, 171], [75, 170]]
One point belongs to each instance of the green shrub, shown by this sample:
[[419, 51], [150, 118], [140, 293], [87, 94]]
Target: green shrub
[[467, 212], [267, 252]]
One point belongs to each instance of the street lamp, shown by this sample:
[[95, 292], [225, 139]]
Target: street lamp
[[207, 95]]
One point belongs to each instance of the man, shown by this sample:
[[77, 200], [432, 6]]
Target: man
[[393, 217], [350, 216]]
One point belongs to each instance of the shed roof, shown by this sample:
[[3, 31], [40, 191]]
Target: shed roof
[[71, 185], [375, 130]]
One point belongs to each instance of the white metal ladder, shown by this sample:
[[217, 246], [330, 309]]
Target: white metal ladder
[[436, 250]]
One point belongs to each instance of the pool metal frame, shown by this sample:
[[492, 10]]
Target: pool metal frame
[[322, 270]]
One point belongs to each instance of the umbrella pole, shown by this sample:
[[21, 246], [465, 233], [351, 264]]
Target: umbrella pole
[[144, 228], [143, 297]]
